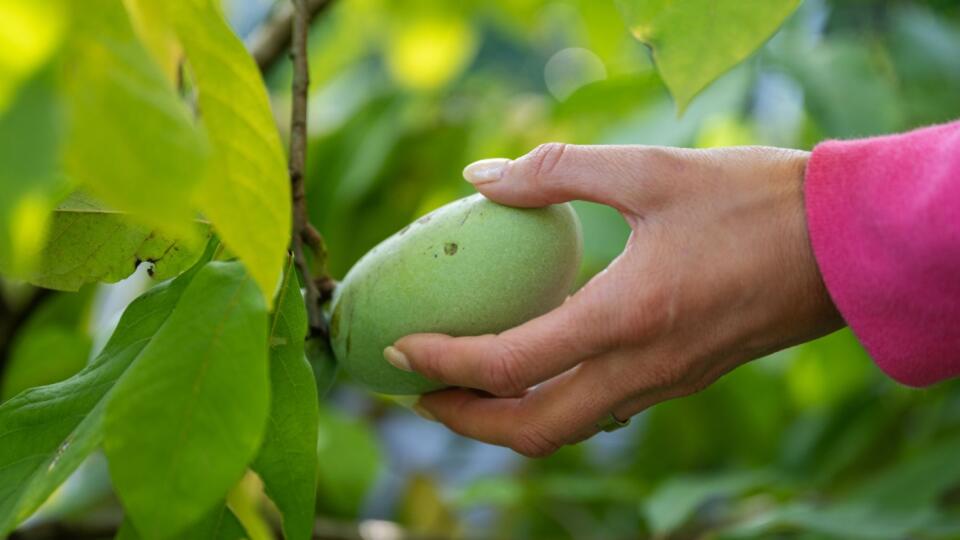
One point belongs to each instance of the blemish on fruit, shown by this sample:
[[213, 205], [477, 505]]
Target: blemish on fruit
[[450, 248]]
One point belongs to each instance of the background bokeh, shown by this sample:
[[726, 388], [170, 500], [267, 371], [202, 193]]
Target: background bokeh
[[811, 443]]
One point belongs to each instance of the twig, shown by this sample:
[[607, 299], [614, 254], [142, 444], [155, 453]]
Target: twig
[[273, 39], [298, 158]]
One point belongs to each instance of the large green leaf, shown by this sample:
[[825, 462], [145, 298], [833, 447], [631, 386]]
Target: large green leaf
[[247, 193], [132, 141], [695, 41], [287, 462], [188, 417], [89, 243], [46, 432], [219, 524]]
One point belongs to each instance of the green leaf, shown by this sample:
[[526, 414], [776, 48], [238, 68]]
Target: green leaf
[[323, 363], [678, 498], [247, 193], [287, 462], [46, 432], [900, 502], [30, 139], [695, 41], [188, 417], [89, 243], [52, 344], [848, 90], [220, 524], [45, 356], [132, 141], [349, 459]]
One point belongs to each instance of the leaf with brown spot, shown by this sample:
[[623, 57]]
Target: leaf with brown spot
[[89, 243]]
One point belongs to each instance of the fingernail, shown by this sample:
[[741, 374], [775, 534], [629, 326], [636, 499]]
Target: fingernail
[[485, 170], [396, 358], [423, 412]]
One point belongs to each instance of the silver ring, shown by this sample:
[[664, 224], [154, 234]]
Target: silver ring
[[611, 423]]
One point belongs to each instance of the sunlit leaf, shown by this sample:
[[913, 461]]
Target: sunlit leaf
[[287, 462], [132, 142], [201, 385], [46, 432], [695, 41], [30, 33], [156, 34], [425, 52], [90, 243], [247, 193]]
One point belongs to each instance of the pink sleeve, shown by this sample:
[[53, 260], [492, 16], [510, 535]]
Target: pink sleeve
[[884, 220]]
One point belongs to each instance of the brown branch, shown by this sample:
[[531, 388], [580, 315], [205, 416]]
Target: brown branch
[[274, 38], [298, 159]]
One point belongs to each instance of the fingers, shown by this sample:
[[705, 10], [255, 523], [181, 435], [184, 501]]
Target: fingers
[[557, 172], [565, 410], [508, 363]]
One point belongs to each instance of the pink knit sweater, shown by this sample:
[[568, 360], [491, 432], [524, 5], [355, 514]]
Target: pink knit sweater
[[884, 219]]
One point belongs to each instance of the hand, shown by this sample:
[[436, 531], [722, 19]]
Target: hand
[[718, 271]]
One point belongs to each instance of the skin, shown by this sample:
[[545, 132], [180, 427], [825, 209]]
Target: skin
[[718, 271]]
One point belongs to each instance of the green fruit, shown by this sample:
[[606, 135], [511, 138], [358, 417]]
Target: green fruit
[[471, 267]]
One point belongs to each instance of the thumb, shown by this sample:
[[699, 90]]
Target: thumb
[[556, 172]]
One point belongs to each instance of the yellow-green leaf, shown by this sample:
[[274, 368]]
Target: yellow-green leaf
[[247, 193], [132, 142], [695, 41], [89, 243]]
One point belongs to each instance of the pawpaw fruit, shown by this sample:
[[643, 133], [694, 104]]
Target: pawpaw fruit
[[471, 267]]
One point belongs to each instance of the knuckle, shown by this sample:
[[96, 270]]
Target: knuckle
[[503, 377], [532, 441], [545, 158], [430, 364]]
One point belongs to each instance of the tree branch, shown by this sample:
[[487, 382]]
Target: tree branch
[[298, 158], [273, 39]]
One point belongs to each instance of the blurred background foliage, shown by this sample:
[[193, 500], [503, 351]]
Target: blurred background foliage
[[811, 443]]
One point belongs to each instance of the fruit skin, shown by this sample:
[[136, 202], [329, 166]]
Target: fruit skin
[[471, 267]]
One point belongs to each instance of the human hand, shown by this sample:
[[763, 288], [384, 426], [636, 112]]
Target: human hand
[[718, 271]]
